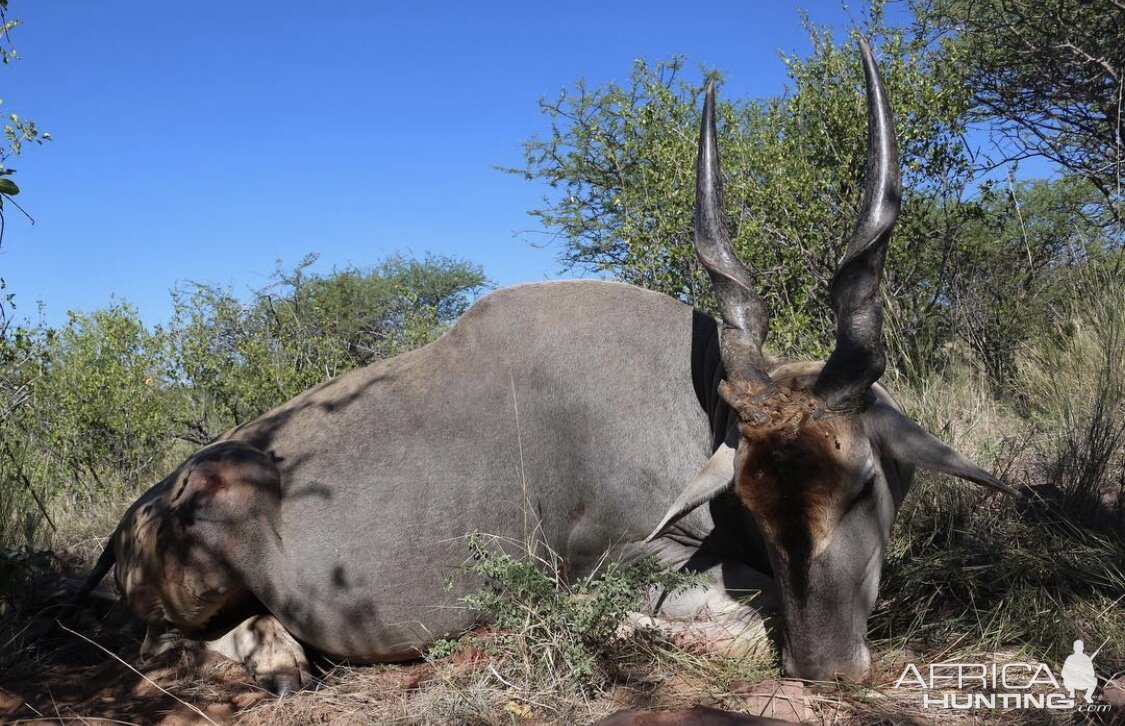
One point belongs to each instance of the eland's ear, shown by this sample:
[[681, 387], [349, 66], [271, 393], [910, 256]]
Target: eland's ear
[[909, 443], [716, 476]]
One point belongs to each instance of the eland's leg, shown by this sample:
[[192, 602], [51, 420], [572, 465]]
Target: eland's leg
[[272, 655], [726, 616]]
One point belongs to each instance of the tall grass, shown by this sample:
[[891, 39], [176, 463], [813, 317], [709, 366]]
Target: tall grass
[[1077, 386], [972, 568]]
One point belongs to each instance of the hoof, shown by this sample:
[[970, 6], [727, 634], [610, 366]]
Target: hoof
[[282, 684]]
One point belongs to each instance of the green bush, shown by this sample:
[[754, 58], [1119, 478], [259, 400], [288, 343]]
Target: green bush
[[555, 628], [240, 358], [86, 409], [102, 406]]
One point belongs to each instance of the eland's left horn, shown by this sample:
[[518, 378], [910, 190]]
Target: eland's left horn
[[858, 360]]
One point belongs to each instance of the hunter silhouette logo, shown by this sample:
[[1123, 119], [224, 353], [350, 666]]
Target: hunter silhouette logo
[[1078, 672], [1015, 685]]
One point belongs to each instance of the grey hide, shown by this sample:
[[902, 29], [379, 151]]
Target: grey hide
[[608, 390]]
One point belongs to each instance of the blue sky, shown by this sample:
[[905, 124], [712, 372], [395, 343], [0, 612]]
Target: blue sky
[[204, 141]]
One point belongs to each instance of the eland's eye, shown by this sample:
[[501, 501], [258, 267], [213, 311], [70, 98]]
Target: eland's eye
[[865, 491], [863, 496]]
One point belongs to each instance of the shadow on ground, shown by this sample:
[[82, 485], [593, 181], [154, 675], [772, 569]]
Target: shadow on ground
[[60, 665]]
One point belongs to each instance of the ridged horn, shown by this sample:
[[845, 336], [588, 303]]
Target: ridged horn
[[745, 319], [858, 359]]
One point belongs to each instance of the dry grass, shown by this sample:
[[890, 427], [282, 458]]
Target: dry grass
[[969, 571]]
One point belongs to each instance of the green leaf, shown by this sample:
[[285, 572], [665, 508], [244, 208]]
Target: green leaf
[[7, 186]]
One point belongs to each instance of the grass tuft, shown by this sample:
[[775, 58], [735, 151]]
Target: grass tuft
[[970, 569]]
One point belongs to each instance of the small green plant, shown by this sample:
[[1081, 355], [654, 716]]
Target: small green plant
[[556, 627]]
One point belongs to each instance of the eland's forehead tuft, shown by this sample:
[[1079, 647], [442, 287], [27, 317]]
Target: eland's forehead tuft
[[798, 478], [775, 412]]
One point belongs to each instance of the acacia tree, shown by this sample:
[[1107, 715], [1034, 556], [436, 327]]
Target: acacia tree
[[236, 358], [1049, 75], [622, 159]]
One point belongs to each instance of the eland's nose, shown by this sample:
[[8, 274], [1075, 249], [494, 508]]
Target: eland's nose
[[854, 666]]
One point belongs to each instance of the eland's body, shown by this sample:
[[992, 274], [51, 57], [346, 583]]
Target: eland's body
[[525, 419], [571, 411]]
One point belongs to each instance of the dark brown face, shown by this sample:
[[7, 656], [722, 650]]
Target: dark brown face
[[809, 478], [795, 482]]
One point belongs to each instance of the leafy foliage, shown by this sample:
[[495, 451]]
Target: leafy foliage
[[83, 410], [17, 132], [1049, 73], [100, 407], [1015, 273], [794, 165], [969, 260], [244, 357], [561, 626]]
